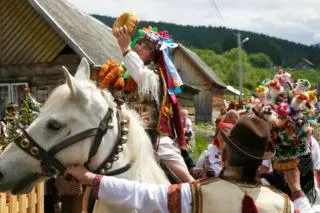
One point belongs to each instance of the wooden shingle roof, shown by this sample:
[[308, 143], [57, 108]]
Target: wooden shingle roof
[[203, 67], [87, 36]]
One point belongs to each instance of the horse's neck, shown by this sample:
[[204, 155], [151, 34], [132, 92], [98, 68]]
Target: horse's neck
[[144, 169], [139, 150]]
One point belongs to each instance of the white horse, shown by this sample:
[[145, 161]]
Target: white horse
[[72, 108]]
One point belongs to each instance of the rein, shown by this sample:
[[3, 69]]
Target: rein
[[51, 166]]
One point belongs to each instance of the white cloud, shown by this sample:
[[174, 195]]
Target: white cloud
[[316, 37], [294, 20]]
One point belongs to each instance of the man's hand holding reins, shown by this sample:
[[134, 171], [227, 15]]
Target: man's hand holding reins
[[81, 174]]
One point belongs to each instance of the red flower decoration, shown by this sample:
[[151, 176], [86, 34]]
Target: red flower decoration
[[164, 34]]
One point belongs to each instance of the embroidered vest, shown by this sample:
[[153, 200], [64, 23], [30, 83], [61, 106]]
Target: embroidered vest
[[153, 117], [218, 195]]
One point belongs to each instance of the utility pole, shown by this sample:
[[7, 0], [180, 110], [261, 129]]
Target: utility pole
[[240, 64], [271, 70], [240, 67]]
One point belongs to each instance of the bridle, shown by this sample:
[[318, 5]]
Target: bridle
[[51, 166]]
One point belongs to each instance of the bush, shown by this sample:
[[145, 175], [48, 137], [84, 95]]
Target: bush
[[256, 68], [260, 60]]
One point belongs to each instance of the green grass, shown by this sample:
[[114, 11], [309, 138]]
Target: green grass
[[201, 144]]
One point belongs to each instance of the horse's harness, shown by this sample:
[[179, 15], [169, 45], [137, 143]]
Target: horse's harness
[[51, 166]]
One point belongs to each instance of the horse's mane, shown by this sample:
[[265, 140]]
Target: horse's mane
[[138, 144]]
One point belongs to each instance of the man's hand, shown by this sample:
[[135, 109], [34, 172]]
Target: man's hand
[[81, 174], [123, 37], [292, 178]]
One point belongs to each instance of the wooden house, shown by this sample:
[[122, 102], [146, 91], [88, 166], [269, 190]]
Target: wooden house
[[186, 99], [304, 64], [37, 37], [195, 72]]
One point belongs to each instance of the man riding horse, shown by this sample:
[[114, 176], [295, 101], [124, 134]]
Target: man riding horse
[[149, 65]]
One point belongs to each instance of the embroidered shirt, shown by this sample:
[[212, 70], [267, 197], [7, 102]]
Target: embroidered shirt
[[211, 156], [150, 198]]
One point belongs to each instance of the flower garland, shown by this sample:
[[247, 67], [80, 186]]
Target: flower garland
[[112, 76], [291, 110]]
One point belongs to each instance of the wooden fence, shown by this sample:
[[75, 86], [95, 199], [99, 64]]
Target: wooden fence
[[27, 203]]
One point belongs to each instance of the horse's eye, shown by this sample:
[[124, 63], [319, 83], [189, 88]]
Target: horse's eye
[[54, 124]]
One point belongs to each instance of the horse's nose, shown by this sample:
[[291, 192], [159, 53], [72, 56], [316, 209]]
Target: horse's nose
[[1, 176]]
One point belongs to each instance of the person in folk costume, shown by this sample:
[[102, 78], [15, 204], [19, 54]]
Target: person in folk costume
[[309, 166], [236, 185], [287, 105], [210, 159], [149, 65]]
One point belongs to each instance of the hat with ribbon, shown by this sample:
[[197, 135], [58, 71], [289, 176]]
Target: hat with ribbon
[[250, 136]]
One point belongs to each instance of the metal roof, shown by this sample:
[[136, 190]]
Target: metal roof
[[204, 68]]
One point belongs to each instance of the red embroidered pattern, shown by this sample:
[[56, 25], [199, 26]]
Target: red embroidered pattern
[[174, 198], [297, 194], [95, 186], [317, 177]]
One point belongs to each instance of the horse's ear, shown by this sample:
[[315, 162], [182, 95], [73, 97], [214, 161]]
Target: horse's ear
[[83, 71], [70, 81]]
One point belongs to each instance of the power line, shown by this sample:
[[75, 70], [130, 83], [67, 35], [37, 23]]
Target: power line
[[213, 10], [215, 7], [221, 16]]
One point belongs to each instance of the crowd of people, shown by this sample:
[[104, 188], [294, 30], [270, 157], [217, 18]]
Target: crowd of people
[[232, 164], [235, 168]]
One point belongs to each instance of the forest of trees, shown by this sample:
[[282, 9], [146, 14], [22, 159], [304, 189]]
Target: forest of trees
[[255, 68], [220, 39]]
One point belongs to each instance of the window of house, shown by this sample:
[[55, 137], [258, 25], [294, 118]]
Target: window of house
[[11, 93]]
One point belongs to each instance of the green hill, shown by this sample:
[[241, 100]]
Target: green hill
[[219, 39], [255, 68]]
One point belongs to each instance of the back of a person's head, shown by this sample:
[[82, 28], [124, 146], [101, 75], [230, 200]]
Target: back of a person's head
[[184, 112], [249, 165], [232, 105], [247, 145], [223, 111], [218, 120], [231, 116]]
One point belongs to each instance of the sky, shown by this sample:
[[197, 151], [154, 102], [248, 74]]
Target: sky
[[294, 20]]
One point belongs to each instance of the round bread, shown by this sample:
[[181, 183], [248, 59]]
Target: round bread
[[129, 19]]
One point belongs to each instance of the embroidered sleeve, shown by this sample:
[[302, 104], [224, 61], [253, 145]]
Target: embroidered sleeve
[[134, 64], [297, 194], [316, 174], [147, 80], [174, 198], [95, 186], [134, 195]]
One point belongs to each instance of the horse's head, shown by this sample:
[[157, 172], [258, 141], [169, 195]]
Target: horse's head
[[72, 108]]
